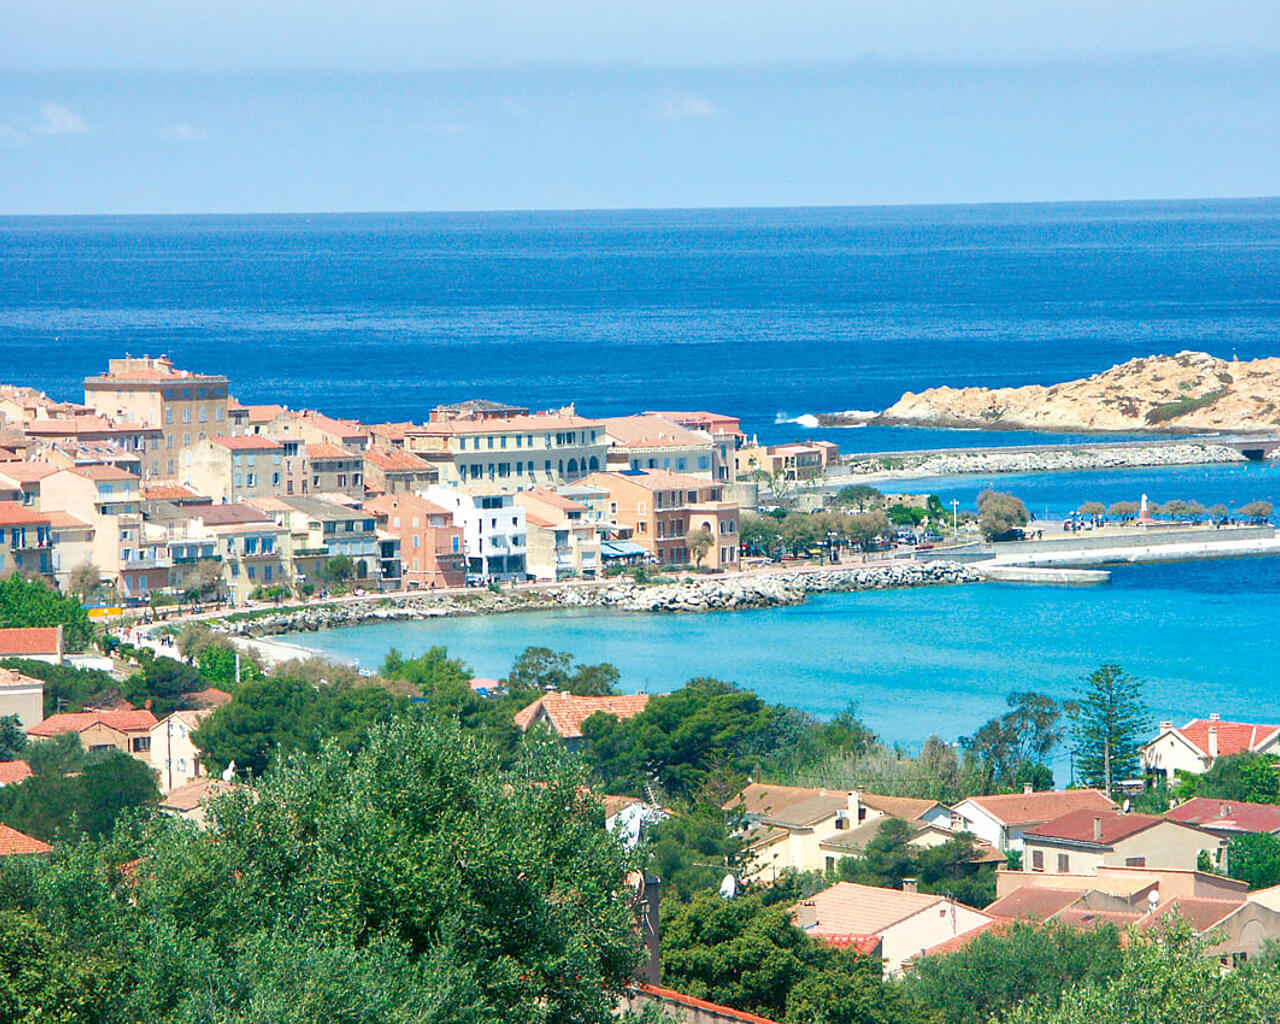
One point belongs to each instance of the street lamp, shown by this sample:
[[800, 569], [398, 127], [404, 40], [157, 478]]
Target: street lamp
[[955, 519]]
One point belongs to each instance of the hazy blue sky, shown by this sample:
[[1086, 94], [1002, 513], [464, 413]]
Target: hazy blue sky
[[167, 105]]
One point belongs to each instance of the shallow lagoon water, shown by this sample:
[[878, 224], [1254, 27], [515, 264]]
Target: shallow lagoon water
[[1201, 635]]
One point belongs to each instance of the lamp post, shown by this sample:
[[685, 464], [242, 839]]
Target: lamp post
[[955, 519]]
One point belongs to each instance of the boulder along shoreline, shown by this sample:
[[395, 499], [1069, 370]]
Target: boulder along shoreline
[[756, 590]]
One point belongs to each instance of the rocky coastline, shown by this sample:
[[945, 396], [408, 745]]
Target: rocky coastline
[[696, 594], [1048, 460]]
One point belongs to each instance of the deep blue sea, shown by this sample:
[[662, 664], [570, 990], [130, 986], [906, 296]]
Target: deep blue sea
[[769, 314]]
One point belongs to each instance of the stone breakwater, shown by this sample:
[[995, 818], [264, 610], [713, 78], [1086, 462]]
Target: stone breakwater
[[1046, 461], [697, 594]]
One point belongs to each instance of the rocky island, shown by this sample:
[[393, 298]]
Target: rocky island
[[1189, 391]]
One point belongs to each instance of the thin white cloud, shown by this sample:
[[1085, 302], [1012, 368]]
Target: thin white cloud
[[447, 127], [181, 131], [678, 106], [59, 120]]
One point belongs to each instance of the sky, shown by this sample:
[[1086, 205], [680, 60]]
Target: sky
[[151, 106]]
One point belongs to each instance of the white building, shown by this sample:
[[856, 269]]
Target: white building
[[1001, 819], [494, 532], [1198, 744]]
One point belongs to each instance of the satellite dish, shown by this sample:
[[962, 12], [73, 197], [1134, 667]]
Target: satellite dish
[[1153, 900], [1124, 808], [230, 772], [728, 887]]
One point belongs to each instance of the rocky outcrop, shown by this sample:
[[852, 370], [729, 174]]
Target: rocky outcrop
[[1187, 391], [754, 590], [1046, 460]]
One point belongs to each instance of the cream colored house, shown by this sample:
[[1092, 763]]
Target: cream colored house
[[175, 758], [1000, 819], [907, 923], [1085, 840], [1194, 748], [562, 540], [230, 469], [22, 696], [654, 442]]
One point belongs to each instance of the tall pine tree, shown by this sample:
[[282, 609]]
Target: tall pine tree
[[1110, 722]]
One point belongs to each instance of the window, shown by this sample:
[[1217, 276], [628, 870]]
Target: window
[[1064, 864], [140, 744], [168, 415], [186, 415], [415, 540], [1037, 860], [218, 415], [204, 415], [1135, 862], [831, 864]]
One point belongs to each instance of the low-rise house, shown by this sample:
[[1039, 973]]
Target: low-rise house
[[660, 510], [725, 432], [66, 454], [1198, 744], [23, 696], [125, 730], [564, 713], [72, 544], [248, 543], [20, 481], [1082, 841], [920, 834], [1001, 819], [805, 461], [26, 543], [388, 436], [35, 643], [190, 800], [175, 758], [335, 468], [654, 442], [905, 923], [1227, 818], [431, 546], [18, 844], [315, 428], [563, 542], [396, 471]]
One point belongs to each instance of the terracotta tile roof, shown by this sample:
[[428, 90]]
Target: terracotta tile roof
[[14, 842], [550, 497], [13, 513], [661, 480], [211, 697], [385, 504], [848, 908], [324, 450], [761, 798], [103, 473], [508, 425], [613, 804], [394, 459], [12, 677], [234, 513], [903, 807], [248, 442], [27, 472], [1233, 737], [61, 520], [14, 771], [957, 943], [533, 519], [566, 712], [264, 413], [170, 492], [710, 1011], [15, 642], [1035, 808], [1085, 917], [867, 945], [651, 432], [1224, 815], [1036, 901], [1079, 826], [391, 431], [1201, 914], [137, 720], [183, 799]]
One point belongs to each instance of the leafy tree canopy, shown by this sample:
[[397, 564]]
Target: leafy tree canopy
[[1247, 776], [51, 805], [32, 602]]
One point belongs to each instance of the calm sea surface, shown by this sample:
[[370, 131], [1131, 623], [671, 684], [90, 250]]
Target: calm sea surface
[[768, 314]]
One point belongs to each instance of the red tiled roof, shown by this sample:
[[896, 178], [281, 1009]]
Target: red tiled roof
[[508, 424], [1079, 826], [248, 442], [324, 450], [14, 842], [848, 908], [385, 504], [137, 720], [714, 1009], [17, 641], [264, 413], [394, 431], [187, 798], [957, 943], [14, 771], [27, 472], [567, 712], [1201, 914], [1233, 737], [102, 473], [1035, 808], [550, 497], [60, 520], [393, 460], [169, 492], [211, 697], [13, 513], [1040, 902], [1233, 815]]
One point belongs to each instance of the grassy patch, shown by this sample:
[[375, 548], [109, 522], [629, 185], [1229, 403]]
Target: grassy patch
[[1173, 410]]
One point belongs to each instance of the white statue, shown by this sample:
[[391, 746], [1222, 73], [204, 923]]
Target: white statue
[[230, 772]]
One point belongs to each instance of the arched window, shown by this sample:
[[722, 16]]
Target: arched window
[[595, 464], [573, 466]]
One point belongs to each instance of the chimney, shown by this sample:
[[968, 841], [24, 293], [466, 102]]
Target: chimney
[[806, 914], [1026, 789], [1166, 726], [1213, 741], [1215, 717], [652, 966], [910, 885], [855, 808], [1097, 829]]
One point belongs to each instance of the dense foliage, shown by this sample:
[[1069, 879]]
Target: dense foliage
[[1247, 776], [1110, 723], [1000, 514], [1254, 857], [32, 602], [1010, 748], [950, 868]]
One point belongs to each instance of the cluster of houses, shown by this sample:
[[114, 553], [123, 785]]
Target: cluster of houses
[[163, 483], [1078, 858]]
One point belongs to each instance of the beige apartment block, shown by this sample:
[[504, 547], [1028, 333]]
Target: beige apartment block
[[185, 406], [334, 469], [395, 471], [174, 756], [660, 509], [231, 469], [312, 428], [654, 442], [562, 540], [511, 453], [432, 553], [725, 432]]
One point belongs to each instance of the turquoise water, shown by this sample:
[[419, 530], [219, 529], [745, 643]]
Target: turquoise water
[[936, 660]]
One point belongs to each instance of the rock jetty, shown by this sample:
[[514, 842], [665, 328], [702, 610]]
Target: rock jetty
[[695, 594], [1048, 460], [1187, 391]]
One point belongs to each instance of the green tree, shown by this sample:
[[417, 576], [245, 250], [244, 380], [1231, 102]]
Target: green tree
[[800, 531], [50, 805], [217, 663], [32, 602], [759, 534], [67, 688], [859, 496], [161, 684], [1109, 723], [540, 668], [1025, 735], [1248, 776], [41, 979], [13, 739], [1254, 858], [1000, 969], [999, 514], [337, 570], [594, 680], [1123, 510], [1092, 509], [691, 852], [1256, 511], [867, 528], [700, 541]]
